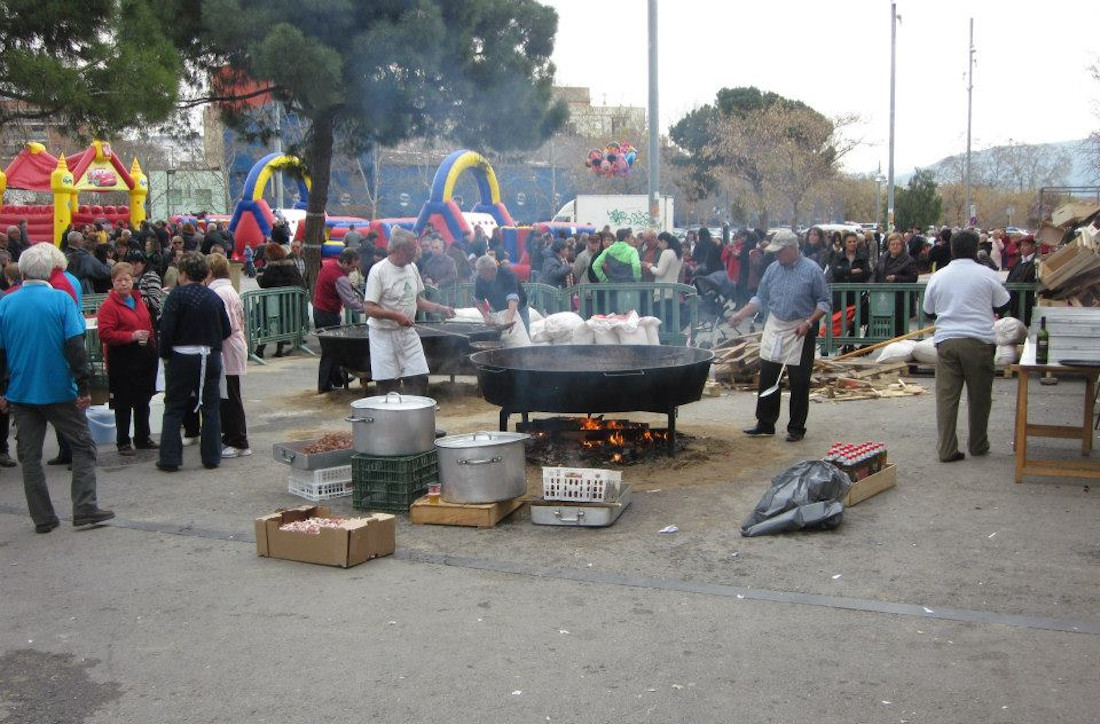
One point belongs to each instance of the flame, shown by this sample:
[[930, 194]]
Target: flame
[[591, 423], [617, 458], [616, 439]]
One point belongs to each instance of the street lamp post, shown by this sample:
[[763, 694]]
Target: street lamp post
[[890, 176]]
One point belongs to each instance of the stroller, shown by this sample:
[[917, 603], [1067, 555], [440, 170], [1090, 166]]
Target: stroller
[[717, 300]]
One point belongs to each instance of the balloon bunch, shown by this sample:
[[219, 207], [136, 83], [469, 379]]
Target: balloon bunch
[[616, 159]]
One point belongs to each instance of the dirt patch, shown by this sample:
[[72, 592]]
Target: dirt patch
[[716, 453], [36, 686]]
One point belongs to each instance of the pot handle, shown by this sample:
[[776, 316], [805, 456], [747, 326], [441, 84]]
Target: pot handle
[[395, 394], [483, 461], [349, 418], [288, 455], [631, 373], [576, 519], [481, 432]]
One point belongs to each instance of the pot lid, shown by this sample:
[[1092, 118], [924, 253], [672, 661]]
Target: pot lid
[[480, 439], [393, 401]]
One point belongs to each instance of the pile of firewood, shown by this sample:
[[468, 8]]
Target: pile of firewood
[[737, 367], [1071, 273]]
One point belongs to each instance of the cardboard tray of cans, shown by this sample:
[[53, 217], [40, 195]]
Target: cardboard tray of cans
[[580, 515]]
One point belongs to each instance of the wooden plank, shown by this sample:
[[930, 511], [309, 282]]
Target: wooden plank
[[892, 368], [1067, 431], [485, 515], [1057, 468]]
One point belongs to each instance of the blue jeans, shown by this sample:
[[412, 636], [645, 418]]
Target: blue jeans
[[181, 382]]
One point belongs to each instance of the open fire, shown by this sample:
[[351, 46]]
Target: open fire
[[592, 440]]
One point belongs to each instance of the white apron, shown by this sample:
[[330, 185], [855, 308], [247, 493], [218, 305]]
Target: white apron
[[779, 343], [396, 353]]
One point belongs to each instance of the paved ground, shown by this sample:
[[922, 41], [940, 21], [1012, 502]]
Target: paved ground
[[957, 597]]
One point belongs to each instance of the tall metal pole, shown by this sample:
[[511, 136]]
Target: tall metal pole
[[278, 149], [969, 116], [890, 170], [654, 125]]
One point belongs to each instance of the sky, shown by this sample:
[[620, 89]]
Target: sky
[[1031, 77]]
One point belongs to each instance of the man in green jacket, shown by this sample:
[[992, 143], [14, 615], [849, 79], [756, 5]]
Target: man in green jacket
[[618, 263]]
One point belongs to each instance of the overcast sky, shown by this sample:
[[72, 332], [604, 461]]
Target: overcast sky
[[1031, 80]]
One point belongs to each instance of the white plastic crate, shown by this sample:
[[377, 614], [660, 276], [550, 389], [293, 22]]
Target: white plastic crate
[[321, 484], [581, 485]]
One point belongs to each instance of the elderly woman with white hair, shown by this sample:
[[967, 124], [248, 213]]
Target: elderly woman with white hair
[[393, 296]]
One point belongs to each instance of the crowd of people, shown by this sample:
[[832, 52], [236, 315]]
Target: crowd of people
[[170, 312]]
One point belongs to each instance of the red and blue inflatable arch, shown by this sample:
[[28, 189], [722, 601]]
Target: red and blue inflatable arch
[[252, 218], [441, 212]]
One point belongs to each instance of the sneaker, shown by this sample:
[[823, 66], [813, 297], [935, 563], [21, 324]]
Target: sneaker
[[165, 468], [244, 452], [146, 445], [189, 441], [126, 450], [6, 461], [758, 431], [59, 461], [94, 517], [230, 452]]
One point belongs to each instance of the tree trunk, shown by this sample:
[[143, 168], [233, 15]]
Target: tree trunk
[[320, 168]]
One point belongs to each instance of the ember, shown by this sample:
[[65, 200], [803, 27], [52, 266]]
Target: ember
[[593, 440]]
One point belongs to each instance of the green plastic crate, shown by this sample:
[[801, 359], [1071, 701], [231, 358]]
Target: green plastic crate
[[391, 485]]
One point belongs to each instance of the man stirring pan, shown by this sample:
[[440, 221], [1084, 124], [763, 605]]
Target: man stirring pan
[[794, 293], [393, 296]]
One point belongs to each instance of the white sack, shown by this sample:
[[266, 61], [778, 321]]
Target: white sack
[[925, 352], [1009, 330], [897, 352], [651, 325], [1005, 355]]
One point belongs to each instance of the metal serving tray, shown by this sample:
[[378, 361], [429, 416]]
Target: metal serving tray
[[290, 453], [580, 515]]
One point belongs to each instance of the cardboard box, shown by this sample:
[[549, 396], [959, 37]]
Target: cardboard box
[[371, 536], [872, 485]]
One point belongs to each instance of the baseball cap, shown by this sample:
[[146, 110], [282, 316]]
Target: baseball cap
[[782, 238]]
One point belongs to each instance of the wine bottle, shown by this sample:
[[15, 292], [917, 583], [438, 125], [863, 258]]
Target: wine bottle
[[1042, 343]]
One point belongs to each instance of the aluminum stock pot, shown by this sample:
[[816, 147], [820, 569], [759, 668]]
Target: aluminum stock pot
[[394, 425], [482, 467]]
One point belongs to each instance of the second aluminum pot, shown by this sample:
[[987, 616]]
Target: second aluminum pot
[[482, 467], [394, 425]]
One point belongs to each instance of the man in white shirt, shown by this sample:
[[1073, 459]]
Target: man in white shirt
[[393, 296], [962, 298]]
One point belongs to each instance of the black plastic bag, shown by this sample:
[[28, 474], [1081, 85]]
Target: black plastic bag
[[805, 495]]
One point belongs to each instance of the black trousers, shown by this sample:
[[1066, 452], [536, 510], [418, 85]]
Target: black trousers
[[329, 374], [234, 431], [139, 409], [767, 408]]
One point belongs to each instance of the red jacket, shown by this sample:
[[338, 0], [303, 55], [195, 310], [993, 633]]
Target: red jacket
[[325, 296], [731, 255], [117, 322]]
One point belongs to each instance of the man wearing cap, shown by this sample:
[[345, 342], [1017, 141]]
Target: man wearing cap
[[795, 295]]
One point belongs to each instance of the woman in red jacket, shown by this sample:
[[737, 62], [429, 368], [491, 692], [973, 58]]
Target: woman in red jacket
[[126, 331]]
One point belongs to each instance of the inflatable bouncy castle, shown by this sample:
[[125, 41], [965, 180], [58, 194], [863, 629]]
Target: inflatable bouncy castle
[[96, 170]]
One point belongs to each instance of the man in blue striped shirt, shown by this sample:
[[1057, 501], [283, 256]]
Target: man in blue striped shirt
[[795, 295]]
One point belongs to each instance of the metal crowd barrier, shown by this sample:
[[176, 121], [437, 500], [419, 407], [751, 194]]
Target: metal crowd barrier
[[276, 315], [878, 312]]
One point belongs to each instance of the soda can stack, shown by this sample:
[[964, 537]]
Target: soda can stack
[[858, 460]]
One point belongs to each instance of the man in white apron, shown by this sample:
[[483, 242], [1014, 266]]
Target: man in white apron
[[392, 299], [795, 295]]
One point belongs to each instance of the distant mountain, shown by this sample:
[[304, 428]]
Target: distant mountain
[[1078, 174]]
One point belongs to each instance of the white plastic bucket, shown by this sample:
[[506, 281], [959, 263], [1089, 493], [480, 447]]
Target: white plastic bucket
[[156, 413], [101, 423]]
